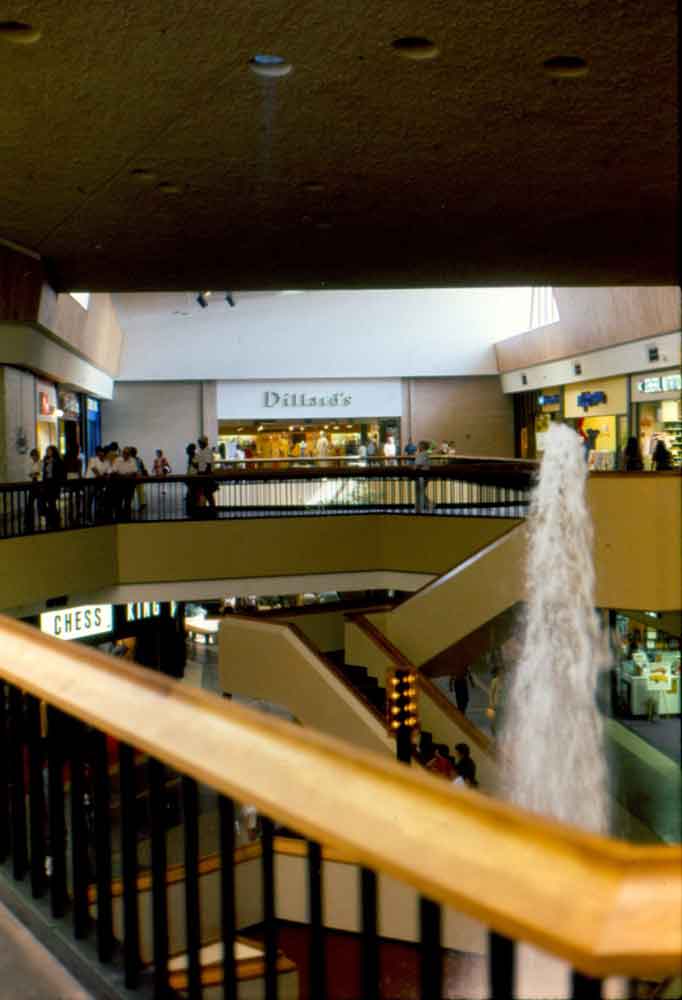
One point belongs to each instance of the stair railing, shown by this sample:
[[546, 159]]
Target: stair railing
[[605, 907]]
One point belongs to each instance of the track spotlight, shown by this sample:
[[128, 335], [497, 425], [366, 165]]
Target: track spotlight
[[202, 299], [229, 298]]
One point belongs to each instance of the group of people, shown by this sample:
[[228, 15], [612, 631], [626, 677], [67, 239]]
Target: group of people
[[120, 467], [459, 769], [661, 457]]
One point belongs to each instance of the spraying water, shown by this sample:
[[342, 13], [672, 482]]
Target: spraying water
[[552, 738]]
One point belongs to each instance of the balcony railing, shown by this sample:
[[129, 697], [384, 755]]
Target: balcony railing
[[83, 737], [472, 488]]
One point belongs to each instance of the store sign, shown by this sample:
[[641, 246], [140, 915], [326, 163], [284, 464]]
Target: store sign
[[70, 405], [298, 399], [78, 623], [302, 399], [661, 383], [587, 399], [545, 400]]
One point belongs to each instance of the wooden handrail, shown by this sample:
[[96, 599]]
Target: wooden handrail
[[511, 473], [399, 660], [606, 907]]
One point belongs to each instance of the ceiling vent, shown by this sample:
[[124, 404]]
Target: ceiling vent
[[577, 368], [653, 353], [524, 380]]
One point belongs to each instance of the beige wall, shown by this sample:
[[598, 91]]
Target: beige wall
[[325, 630], [593, 318], [93, 332], [637, 540], [34, 569], [269, 662], [638, 552], [471, 411]]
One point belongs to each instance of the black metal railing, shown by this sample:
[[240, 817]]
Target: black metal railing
[[491, 489], [77, 810]]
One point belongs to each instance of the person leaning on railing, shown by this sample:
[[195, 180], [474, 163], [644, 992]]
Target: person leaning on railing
[[125, 471], [54, 476]]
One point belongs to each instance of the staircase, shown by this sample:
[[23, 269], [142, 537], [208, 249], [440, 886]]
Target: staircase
[[369, 690]]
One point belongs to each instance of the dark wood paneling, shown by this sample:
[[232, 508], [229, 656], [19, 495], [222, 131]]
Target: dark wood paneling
[[21, 283]]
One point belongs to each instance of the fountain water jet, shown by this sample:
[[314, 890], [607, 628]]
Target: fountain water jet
[[553, 759]]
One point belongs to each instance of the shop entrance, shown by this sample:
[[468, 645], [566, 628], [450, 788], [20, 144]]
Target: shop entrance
[[300, 439]]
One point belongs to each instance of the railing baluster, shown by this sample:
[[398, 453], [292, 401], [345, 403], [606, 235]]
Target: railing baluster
[[501, 963], [318, 974], [585, 987], [4, 777], [269, 915], [18, 795], [79, 831], [56, 732], [131, 919], [227, 896], [431, 966], [157, 776], [370, 971], [190, 802], [36, 797], [102, 811]]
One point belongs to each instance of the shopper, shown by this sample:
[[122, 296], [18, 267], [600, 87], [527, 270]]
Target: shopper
[[440, 764], [390, 449], [204, 460], [422, 459], [632, 456], [322, 445], [410, 449], [465, 772], [161, 465], [124, 470], [33, 470], [459, 686], [34, 467], [662, 458], [99, 496], [371, 448], [141, 471], [53, 478]]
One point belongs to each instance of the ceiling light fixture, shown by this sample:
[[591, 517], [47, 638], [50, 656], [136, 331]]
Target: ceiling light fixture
[[230, 299], [415, 47], [566, 67], [269, 66], [18, 33], [202, 299]]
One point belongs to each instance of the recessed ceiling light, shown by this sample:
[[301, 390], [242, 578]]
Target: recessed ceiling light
[[415, 47], [18, 33], [269, 65], [168, 187], [566, 67], [143, 176], [313, 187]]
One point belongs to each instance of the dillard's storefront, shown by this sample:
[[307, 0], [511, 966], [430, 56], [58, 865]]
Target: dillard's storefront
[[282, 419]]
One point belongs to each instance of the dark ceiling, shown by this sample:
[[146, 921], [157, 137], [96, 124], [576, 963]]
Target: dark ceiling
[[361, 168]]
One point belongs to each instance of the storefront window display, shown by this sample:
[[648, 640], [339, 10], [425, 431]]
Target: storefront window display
[[597, 411], [657, 414], [647, 671], [46, 416], [549, 407], [69, 426], [273, 440]]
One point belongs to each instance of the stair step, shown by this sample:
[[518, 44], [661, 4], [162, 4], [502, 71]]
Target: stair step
[[354, 672], [250, 963]]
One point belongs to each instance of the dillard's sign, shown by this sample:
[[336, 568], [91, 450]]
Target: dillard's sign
[[299, 399]]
